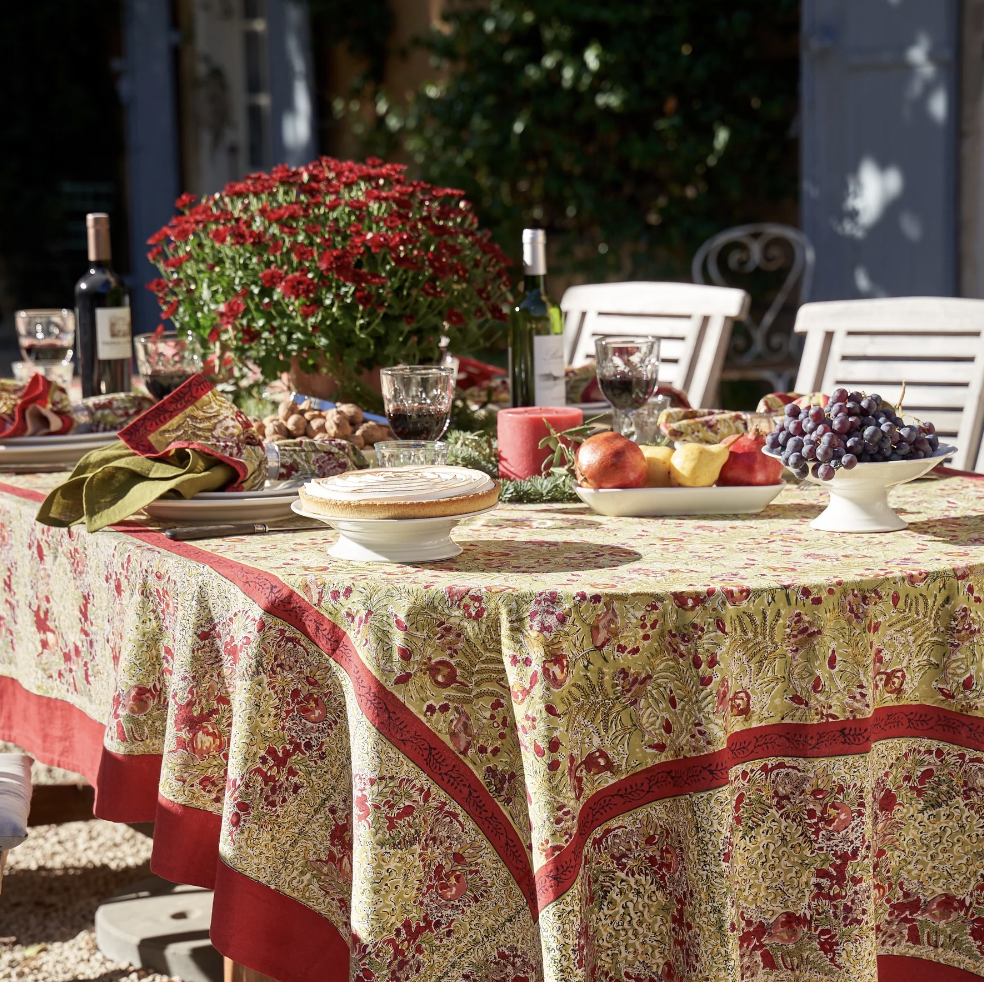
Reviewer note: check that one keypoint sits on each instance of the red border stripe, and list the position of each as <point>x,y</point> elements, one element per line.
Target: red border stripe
<point>899,968</point>
<point>256,926</point>
<point>708,771</point>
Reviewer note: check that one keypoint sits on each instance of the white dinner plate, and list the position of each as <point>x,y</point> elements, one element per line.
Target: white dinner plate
<point>68,439</point>
<point>224,506</point>
<point>393,540</point>
<point>248,495</point>
<point>654,502</point>
<point>21,452</point>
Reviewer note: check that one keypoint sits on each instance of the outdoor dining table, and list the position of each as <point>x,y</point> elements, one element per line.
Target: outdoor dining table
<point>711,748</point>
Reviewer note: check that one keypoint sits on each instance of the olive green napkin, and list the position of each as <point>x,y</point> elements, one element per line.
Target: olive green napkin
<point>111,483</point>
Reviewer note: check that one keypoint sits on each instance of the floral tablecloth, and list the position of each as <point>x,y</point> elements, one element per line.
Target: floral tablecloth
<point>587,748</point>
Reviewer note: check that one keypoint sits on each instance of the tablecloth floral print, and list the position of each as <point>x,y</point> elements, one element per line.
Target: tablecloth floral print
<point>606,749</point>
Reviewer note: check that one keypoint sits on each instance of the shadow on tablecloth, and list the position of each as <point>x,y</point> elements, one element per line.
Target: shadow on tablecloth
<point>534,557</point>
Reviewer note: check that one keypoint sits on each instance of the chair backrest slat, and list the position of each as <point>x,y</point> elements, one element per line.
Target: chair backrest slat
<point>693,322</point>
<point>935,345</point>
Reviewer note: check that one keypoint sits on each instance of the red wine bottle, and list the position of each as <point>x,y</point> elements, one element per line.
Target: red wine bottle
<point>102,317</point>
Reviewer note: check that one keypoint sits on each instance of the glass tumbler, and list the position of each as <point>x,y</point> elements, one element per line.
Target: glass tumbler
<point>407,453</point>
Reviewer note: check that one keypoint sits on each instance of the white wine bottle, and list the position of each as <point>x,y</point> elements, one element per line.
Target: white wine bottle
<point>536,333</point>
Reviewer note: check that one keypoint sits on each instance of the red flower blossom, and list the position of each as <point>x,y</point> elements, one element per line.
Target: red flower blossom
<point>185,199</point>
<point>272,277</point>
<point>453,316</point>
<point>175,262</point>
<point>298,285</point>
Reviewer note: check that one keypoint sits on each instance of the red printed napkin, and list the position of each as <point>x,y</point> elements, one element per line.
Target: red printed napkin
<point>197,417</point>
<point>39,407</point>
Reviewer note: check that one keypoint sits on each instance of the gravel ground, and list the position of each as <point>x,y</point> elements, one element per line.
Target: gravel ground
<point>51,888</point>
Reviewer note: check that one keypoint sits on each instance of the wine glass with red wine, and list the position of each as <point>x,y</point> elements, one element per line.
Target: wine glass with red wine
<point>628,372</point>
<point>167,359</point>
<point>417,400</point>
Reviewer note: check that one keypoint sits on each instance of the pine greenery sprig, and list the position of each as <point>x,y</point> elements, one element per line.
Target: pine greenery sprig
<point>555,487</point>
<point>473,449</point>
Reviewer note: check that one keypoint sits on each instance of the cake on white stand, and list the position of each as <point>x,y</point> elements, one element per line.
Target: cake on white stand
<point>398,514</point>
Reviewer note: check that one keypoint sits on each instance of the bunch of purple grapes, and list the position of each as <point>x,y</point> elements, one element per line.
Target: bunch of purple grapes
<point>854,428</point>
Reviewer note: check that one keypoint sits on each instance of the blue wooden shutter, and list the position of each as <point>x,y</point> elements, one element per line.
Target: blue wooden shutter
<point>879,146</point>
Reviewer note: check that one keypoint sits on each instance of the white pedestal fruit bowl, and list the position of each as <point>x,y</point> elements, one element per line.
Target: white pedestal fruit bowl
<point>859,497</point>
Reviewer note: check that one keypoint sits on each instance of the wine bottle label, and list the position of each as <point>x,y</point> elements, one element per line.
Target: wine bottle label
<point>548,370</point>
<point>113,333</point>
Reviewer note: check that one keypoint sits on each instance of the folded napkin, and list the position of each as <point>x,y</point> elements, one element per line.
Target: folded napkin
<point>701,425</point>
<point>775,402</point>
<point>294,461</point>
<point>38,407</point>
<point>192,440</point>
<point>109,413</point>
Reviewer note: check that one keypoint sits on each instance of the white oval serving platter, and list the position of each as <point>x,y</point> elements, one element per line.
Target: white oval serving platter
<point>666,502</point>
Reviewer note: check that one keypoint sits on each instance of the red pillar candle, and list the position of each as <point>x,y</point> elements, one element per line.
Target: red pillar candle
<point>520,433</point>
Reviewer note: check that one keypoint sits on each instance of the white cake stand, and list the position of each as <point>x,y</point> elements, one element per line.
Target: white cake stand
<point>393,540</point>
<point>859,497</point>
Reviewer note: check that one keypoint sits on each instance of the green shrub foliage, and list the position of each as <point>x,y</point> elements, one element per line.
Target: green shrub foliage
<point>632,129</point>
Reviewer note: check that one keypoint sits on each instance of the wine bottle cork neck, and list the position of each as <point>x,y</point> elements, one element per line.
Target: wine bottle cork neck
<point>97,237</point>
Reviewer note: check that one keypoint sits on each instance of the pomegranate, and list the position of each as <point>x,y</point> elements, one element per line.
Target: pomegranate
<point>746,464</point>
<point>610,460</point>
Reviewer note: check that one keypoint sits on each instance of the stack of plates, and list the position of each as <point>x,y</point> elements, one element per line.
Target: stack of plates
<point>49,453</point>
<point>264,505</point>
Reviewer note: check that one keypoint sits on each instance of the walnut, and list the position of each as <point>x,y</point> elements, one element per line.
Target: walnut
<point>357,441</point>
<point>287,409</point>
<point>296,425</point>
<point>273,418</point>
<point>337,425</point>
<point>276,429</point>
<point>313,414</point>
<point>259,426</point>
<point>352,412</point>
<point>315,426</point>
<point>373,432</point>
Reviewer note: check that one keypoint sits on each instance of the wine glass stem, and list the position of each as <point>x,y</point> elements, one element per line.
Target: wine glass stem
<point>622,421</point>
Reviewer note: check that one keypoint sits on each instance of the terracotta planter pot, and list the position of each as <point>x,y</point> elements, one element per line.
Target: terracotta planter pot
<point>322,385</point>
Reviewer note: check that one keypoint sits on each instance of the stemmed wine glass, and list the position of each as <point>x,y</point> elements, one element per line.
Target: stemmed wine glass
<point>167,359</point>
<point>628,372</point>
<point>417,400</point>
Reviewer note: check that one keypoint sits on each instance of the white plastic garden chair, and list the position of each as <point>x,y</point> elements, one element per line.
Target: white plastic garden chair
<point>933,344</point>
<point>15,802</point>
<point>693,323</point>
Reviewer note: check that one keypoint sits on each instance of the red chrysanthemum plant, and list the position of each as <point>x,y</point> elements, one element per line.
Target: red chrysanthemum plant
<point>343,266</point>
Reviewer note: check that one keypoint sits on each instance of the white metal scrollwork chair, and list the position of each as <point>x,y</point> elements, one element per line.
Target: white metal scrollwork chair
<point>778,258</point>
<point>933,344</point>
<point>693,323</point>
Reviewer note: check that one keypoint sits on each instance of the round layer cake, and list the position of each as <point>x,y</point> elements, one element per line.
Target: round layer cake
<point>401,492</point>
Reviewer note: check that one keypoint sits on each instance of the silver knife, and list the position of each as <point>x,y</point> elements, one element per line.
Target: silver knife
<point>186,532</point>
